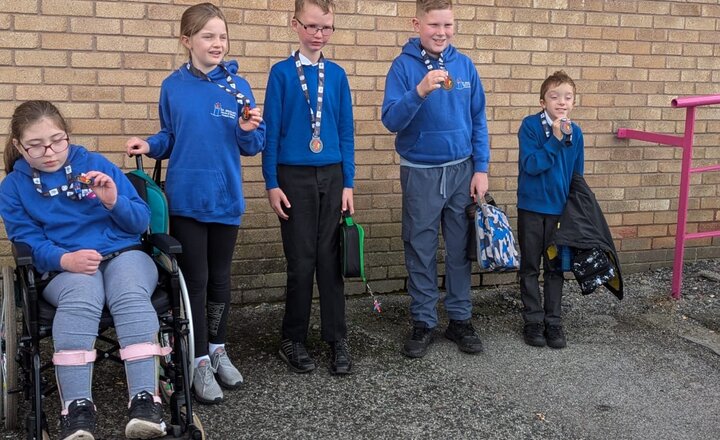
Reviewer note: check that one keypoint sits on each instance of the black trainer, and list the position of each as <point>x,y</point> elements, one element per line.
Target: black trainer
<point>146,417</point>
<point>416,345</point>
<point>340,358</point>
<point>555,336</point>
<point>464,335</point>
<point>296,356</point>
<point>533,334</point>
<point>79,422</point>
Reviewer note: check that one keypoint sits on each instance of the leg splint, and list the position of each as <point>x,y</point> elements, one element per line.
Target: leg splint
<point>74,357</point>
<point>143,351</point>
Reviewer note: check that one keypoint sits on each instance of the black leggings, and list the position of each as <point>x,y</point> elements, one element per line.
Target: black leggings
<point>207,250</point>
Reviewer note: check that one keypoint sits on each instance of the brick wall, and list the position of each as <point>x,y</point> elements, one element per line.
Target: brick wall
<point>103,62</point>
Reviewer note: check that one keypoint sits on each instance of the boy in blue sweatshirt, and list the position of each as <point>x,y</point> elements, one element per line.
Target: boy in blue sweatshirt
<point>309,167</point>
<point>551,151</point>
<point>435,103</point>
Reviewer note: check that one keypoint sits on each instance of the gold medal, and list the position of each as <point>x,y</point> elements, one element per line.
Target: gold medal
<point>316,145</point>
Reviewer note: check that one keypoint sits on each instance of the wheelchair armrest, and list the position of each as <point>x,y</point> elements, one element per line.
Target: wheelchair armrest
<point>22,252</point>
<point>165,243</point>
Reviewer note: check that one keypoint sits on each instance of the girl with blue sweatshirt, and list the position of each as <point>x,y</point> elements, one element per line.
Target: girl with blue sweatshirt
<point>435,103</point>
<point>83,220</point>
<point>208,120</point>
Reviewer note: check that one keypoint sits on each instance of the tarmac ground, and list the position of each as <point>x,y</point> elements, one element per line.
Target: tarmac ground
<point>646,367</point>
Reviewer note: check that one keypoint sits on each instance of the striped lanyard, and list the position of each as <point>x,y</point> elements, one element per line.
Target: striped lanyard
<point>315,118</point>
<point>76,188</point>
<point>448,84</point>
<point>239,97</point>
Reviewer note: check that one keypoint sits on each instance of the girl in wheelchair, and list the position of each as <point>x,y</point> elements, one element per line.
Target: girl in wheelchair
<point>83,220</point>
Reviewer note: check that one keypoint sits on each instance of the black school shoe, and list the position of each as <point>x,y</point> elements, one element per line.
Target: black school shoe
<point>79,422</point>
<point>555,336</point>
<point>296,356</point>
<point>533,334</point>
<point>464,335</point>
<point>146,417</point>
<point>416,345</point>
<point>340,358</point>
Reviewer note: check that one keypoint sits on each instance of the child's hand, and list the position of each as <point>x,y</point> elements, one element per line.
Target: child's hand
<point>478,186</point>
<point>104,188</point>
<point>136,146</point>
<point>252,123</point>
<point>557,132</point>
<point>347,201</point>
<point>432,81</point>
<point>84,261</point>
<point>278,199</point>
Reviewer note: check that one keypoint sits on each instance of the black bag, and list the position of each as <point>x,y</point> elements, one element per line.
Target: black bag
<point>592,269</point>
<point>352,248</point>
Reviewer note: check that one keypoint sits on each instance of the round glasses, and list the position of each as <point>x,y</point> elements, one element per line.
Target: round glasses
<point>38,151</point>
<point>313,29</point>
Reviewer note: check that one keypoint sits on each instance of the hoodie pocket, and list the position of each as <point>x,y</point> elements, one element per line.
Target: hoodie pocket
<point>444,145</point>
<point>202,191</point>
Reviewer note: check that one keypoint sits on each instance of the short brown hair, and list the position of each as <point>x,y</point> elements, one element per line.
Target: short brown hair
<point>554,80</point>
<point>425,6</point>
<point>25,115</point>
<point>327,6</point>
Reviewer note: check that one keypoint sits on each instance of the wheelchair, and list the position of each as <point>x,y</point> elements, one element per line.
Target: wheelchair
<point>25,313</point>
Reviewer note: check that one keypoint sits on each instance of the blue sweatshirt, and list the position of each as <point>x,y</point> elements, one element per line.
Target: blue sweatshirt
<point>201,136</point>
<point>546,167</point>
<point>54,226</point>
<point>444,126</point>
<point>289,126</point>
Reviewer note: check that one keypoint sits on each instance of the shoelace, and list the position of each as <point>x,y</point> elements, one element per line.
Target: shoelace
<point>341,350</point>
<point>419,332</point>
<point>221,359</point>
<point>208,373</point>
<point>82,413</point>
<point>465,330</point>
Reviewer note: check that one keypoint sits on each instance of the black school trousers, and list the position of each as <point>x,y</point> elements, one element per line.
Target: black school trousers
<point>311,241</point>
<point>534,233</point>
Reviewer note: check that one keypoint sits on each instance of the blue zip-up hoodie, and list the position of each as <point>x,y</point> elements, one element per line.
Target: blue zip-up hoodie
<point>446,125</point>
<point>54,226</point>
<point>201,137</point>
<point>546,166</point>
<point>289,126</point>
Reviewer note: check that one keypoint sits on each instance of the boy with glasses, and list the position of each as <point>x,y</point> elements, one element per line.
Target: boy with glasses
<point>309,167</point>
<point>435,103</point>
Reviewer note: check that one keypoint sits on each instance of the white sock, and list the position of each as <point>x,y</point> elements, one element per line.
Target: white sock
<point>201,358</point>
<point>212,347</point>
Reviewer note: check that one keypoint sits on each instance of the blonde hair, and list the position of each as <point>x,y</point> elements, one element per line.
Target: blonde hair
<point>327,6</point>
<point>196,17</point>
<point>25,115</point>
<point>425,6</point>
<point>557,78</point>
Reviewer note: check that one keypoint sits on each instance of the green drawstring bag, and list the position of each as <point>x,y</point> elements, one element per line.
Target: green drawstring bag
<point>352,248</point>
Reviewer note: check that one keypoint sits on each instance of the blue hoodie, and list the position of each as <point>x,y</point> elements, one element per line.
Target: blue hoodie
<point>446,125</point>
<point>54,226</point>
<point>201,137</point>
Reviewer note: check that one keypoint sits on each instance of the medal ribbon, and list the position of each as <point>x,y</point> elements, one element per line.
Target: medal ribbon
<point>74,189</point>
<point>426,60</point>
<point>241,99</point>
<point>315,118</point>
<point>546,128</point>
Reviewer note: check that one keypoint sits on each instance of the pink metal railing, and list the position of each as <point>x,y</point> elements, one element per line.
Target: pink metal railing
<point>686,143</point>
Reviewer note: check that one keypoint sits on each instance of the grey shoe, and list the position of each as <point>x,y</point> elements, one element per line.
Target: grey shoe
<point>206,388</point>
<point>225,372</point>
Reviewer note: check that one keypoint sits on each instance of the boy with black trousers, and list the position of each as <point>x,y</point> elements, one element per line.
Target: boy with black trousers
<point>435,103</point>
<point>309,168</point>
<point>551,151</point>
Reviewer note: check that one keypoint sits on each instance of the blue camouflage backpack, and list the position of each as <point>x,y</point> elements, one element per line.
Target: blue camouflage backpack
<point>496,248</point>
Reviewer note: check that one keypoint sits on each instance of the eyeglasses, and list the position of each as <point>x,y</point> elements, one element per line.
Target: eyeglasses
<point>312,29</point>
<point>38,151</point>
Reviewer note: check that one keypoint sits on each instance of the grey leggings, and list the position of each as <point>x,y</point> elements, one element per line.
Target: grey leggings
<point>124,284</point>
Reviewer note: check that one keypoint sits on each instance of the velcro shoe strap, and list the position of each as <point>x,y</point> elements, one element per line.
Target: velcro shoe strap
<point>143,351</point>
<point>74,357</point>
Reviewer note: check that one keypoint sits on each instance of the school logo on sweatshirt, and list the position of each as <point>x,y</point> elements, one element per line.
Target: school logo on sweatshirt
<point>220,112</point>
<point>460,84</point>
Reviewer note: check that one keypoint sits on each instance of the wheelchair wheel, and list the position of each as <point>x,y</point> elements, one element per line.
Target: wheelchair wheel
<point>186,311</point>
<point>8,349</point>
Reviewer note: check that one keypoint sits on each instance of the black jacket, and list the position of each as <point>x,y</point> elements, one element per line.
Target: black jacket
<point>583,226</point>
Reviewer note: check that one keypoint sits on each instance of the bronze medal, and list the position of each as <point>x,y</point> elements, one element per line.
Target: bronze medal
<point>448,84</point>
